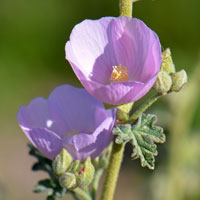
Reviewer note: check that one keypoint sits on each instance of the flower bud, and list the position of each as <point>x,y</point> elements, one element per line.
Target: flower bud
<point>75,166</point>
<point>179,79</point>
<point>85,173</point>
<point>68,180</point>
<point>62,162</point>
<point>167,63</point>
<point>95,162</point>
<point>163,83</point>
<point>123,111</point>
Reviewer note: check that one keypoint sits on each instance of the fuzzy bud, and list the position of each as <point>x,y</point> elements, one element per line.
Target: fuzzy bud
<point>123,111</point>
<point>167,63</point>
<point>179,79</point>
<point>62,162</point>
<point>95,162</point>
<point>68,180</point>
<point>85,173</point>
<point>163,83</point>
<point>75,166</point>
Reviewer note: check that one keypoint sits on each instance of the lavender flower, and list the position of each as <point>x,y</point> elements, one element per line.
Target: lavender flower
<point>70,118</point>
<point>116,59</point>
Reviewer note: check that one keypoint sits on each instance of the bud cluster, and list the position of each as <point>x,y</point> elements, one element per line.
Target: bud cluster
<point>168,79</point>
<point>72,174</point>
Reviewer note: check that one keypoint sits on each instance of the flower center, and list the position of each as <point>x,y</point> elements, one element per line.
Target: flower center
<point>119,74</point>
<point>71,133</point>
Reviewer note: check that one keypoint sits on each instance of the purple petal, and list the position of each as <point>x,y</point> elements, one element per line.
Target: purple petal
<point>83,145</point>
<point>137,47</point>
<point>46,141</point>
<point>36,115</point>
<point>60,112</point>
<point>90,42</point>
<point>75,109</point>
<point>128,42</point>
<point>116,93</point>
<point>48,123</point>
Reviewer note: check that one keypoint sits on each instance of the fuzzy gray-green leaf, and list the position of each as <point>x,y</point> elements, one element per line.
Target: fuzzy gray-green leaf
<point>143,136</point>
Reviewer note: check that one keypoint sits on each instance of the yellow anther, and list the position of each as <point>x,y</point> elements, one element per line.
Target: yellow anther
<point>70,133</point>
<point>119,74</point>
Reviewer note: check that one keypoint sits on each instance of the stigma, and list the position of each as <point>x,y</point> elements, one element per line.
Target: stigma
<point>119,74</point>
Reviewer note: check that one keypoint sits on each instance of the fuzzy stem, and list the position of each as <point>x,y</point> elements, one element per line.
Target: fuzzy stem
<point>126,7</point>
<point>113,171</point>
<point>81,193</point>
<point>143,108</point>
<point>96,180</point>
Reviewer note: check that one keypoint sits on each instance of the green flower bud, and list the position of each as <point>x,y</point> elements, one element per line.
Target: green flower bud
<point>62,162</point>
<point>75,166</point>
<point>163,83</point>
<point>167,63</point>
<point>123,111</point>
<point>179,79</point>
<point>68,180</point>
<point>95,162</point>
<point>85,173</point>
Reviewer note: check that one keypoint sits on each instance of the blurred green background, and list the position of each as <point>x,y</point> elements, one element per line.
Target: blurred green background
<point>33,34</point>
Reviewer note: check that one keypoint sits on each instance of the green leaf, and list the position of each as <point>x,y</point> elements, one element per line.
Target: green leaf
<point>51,186</point>
<point>45,185</point>
<point>143,136</point>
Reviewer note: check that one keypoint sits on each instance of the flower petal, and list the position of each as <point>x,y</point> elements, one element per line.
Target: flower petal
<point>90,42</point>
<point>76,109</point>
<point>83,145</point>
<point>115,93</point>
<point>60,112</point>
<point>129,42</point>
<point>46,141</point>
<point>137,47</point>
<point>36,115</point>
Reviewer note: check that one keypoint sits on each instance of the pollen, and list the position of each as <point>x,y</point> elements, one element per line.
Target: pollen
<point>119,74</point>
<point>71,133</point>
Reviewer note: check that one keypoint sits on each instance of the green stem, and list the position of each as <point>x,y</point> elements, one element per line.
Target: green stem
<point>81,193</point>
<point>112,171</point>
<point>143,108</point>
<point>125,7</point>
<point>74,195</point>
<point>96,180</point>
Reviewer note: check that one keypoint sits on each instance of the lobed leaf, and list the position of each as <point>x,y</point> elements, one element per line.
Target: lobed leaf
<point>143,136</point>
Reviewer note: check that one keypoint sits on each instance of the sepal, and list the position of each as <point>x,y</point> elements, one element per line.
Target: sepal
<point>62,162</point>
<point>168,79</point>
<point>163,83</point>
<point>123,111</point>
<point>85,173</point>
<point>167,62</point>
<point>179,79</point>
<point>68,180</point>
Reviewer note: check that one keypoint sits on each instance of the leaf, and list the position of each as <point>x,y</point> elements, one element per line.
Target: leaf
<point>51,186</point>
<point>44,186</point>
<point>143,136</point>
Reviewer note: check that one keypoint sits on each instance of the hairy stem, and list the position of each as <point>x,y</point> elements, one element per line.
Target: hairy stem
<point>143,108</point>
<point>113,171</point>
<point>125,7</point>
<point>96,180</point>
<point>81,193</point>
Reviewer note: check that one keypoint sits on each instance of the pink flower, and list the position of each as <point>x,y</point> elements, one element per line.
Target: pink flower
<point>70,118</point>
<point>116,59</point>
